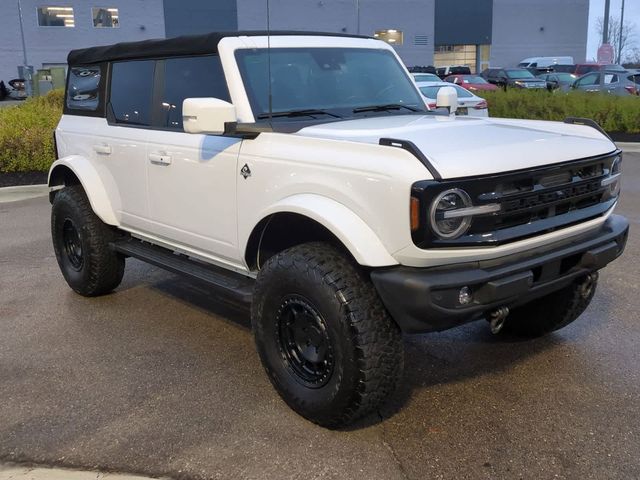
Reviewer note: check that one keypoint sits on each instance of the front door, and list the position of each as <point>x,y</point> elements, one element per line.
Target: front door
<point>192,178</point>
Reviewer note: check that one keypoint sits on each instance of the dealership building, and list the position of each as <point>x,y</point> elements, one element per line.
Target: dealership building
<point>477,33</point>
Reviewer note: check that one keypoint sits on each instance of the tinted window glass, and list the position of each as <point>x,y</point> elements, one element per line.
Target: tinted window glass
<point>131,91</point>
<point>83,92</point>
<point>610,78</point>
<point>590,79</point>
<point>519,74</point>
<point>191,77</point>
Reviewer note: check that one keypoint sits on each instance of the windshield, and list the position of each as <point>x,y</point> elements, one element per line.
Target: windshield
<point>329,81</point>
<point>473,79</point>
<point>426,77</point>
<point>519,74</point>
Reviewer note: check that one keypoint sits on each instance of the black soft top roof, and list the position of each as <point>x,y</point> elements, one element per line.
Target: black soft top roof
<point>178,46</point>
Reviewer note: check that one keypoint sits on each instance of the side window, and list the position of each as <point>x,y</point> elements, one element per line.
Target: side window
<point>83,88</point>
<point>131,92</point>
<point>610,78</point>
<point>590,79</point>
<point>189,77</point>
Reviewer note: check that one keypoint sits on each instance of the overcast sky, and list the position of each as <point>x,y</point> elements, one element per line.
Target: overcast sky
<point>596,10</point>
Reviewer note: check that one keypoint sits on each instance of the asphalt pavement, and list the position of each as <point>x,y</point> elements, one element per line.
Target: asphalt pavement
<point>161,378</point>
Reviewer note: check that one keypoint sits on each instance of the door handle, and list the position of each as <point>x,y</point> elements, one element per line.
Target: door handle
<point>160,159</point>
<point>103,149</point>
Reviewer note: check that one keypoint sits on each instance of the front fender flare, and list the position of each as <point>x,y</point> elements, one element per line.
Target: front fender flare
<point>361,241</point>
<point>91,183</point>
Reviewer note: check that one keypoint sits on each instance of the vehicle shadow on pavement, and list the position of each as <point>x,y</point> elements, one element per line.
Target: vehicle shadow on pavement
<point>207,300</point>
<point>430,359</point>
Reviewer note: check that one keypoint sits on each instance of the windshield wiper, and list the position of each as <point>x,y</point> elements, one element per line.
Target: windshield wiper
<point>298,113</point>
<point>384,108</point>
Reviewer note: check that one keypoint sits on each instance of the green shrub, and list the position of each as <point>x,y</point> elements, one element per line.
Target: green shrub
<point>613,113</point>
<point>26,133</point>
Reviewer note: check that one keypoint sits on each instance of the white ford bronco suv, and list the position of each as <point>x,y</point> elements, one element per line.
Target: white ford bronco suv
<point>303,173</point>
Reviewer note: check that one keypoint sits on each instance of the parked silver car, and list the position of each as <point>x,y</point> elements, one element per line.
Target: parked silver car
<point>615,82</point>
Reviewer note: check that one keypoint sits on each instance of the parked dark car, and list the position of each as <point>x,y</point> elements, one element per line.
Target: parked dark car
<point>422,69</point>
<point>444,72</point>
<point>564,68</point>
<point>558,81</point>
<point>513,78</point>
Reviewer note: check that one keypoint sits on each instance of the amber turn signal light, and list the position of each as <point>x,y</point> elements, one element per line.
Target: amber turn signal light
<point>415,214</point>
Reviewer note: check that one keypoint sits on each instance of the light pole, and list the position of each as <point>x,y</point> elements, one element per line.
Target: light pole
<point>358,17</point>
<point>605,27</point>
<point>26,70</point>
<point>621,30</point>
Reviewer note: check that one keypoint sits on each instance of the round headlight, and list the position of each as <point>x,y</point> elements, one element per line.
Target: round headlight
<point>616,165</point>
<point>449,227</point>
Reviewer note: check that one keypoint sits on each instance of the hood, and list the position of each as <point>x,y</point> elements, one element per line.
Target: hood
<point>467,146</point>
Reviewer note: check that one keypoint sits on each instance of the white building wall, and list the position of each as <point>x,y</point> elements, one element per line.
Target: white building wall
<point>139,20</point>
<point>538,28</point>
<point>413,17</point>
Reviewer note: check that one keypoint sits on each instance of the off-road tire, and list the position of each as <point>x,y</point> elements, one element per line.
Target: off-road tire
<point>365,343</point>
<point>99,269</point>
<point>552,312</point>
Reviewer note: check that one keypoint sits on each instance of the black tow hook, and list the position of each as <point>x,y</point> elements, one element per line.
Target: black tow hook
<point>497,318</point>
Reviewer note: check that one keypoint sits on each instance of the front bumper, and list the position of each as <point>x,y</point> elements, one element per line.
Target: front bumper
<point>426,299</point>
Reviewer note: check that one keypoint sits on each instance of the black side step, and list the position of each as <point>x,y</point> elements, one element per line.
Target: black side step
<point>232,283</point>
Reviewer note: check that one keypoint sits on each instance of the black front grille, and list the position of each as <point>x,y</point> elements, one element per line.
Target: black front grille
<point>532,202</point>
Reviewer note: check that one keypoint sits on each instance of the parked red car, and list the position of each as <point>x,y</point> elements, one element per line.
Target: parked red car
<point>473,83</point>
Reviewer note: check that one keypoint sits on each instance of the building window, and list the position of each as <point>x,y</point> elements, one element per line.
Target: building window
<point>106,17</point>
<point>458,55</point>
<point>394,37</point>
<point>56,17</point>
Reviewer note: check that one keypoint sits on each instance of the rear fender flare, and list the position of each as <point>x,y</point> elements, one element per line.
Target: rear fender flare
<point>91,182</point>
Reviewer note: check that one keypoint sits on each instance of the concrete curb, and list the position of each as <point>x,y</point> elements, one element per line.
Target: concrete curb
<point>23,192</point>
<point>24,473</point>
<point>629,147</point>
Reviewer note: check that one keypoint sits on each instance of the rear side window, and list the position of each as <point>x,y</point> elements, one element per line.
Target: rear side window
<point>189,77</point>
<point>83,88</point>
<point>131,92</point>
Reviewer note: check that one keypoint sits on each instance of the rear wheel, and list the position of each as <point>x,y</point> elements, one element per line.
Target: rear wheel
<point>330,348</point>
<point>81,244</point>
<point>554,311</point>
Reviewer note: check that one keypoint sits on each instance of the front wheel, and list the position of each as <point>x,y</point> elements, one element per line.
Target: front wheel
<point>554,311</point>
<point>326,341</point>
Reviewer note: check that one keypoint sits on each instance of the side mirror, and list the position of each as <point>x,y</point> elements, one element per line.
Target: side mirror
<point>447,98</point>
<point>207,115</point>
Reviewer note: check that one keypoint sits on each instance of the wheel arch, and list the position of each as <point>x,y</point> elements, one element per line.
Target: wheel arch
<point>77,170</point>
<point>308,217</point>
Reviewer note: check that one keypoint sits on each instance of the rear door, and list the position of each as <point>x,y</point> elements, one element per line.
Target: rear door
<point>122,145</point>
<point>192,177</point>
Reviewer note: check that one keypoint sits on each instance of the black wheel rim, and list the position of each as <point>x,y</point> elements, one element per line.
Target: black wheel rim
<point>72,244</point>
<point>304,342</point>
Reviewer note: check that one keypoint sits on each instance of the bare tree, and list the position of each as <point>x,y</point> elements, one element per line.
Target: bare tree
<point>629,36</point>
